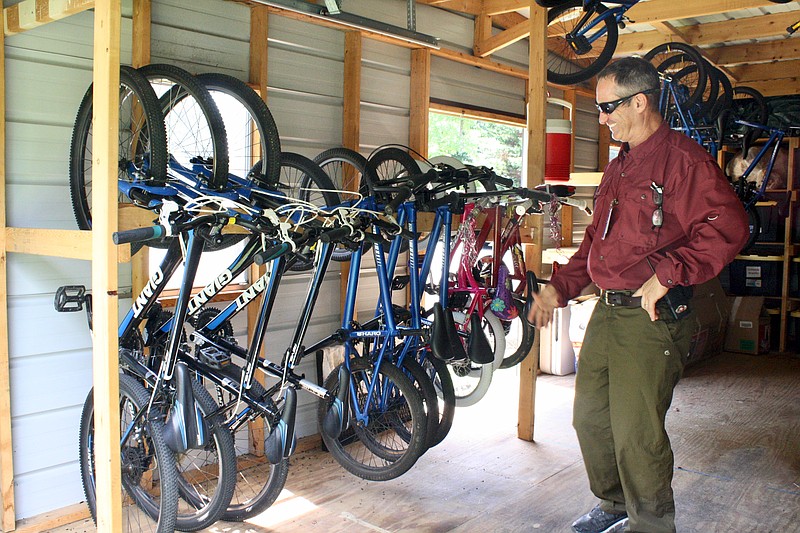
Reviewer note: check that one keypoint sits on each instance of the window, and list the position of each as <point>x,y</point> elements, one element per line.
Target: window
<point>478,142</point>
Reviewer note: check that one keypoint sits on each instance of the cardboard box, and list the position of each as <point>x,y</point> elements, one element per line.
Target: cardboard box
<point>711,314</point>
<point>555,350</point>
<point>748,328</point>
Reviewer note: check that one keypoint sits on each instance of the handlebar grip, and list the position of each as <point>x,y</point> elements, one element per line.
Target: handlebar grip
<point>401,195</point>
<point>138,234</point>
<point>336,234</point>
<point>271,253</point>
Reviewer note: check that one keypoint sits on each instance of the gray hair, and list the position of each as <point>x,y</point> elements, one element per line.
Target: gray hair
<point>634,75</point>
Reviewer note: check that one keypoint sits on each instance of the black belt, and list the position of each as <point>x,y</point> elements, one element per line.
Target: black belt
<point>620,299</point>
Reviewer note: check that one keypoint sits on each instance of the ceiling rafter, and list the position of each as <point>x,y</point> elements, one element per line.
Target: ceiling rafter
<point>781,50</point>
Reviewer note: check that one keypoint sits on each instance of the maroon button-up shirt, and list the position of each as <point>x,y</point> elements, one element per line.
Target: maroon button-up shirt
<point>704,223</point>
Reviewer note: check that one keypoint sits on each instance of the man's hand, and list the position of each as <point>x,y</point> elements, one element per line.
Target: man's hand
<point>544,302</point>
<point>651,292</point>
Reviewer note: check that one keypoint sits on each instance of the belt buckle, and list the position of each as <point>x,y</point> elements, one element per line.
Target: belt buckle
<point>613,298</point>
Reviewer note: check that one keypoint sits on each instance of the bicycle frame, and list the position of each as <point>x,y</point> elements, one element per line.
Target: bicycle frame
<point>774,142</point>
<point>583,29</point>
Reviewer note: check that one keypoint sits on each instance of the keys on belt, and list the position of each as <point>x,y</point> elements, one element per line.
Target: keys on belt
<point>620,299</point>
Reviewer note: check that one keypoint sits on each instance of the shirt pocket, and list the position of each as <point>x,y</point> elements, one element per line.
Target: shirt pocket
<point>635,221</point>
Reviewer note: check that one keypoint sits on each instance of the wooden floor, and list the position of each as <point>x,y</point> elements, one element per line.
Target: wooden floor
<point>735,429</point>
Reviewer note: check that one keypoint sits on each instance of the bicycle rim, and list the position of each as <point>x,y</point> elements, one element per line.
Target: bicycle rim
<point>195,130</point>
<point>142,143</point>
<point>564,65</point>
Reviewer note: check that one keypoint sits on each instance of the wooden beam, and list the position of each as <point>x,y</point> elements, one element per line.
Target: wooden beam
<point>661,10</point>
<point>483,28</point>
<point>534,175</point>
<point>710,33</point>
<point>142,30</point>
<point>471,7</point>
<point>259,33</point>
<point>745,54</point>
<point>30,14</point>
<point>105,356</point>
<point>502,39</point>
<point>766,71</point>
<point>782,87</point>
<point>459,111</point>
<point>496,7</point>
<point>420,100</point>
<point>7,521</point>
<point>480,62</point>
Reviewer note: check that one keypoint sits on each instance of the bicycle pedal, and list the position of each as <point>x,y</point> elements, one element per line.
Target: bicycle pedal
<point>70,298</point>
<point>213,357</point>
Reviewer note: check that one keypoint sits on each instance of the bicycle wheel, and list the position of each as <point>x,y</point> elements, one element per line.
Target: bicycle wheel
<point>395,404</point>
<point>470,380</point>
<point>346,169</point>
<point>258,482</point>
<point>149,475</point>
<point>578,50</point>
<point>688,69</point>
<point>724,94</point>
<point>443,383</point>
<point>195,129</point>
<point>302,179</point>
<point>749,105</point>
<point>388,164</point>
<point>207,475</point>
<point>683,72</point>
<point>251,131</point>
<point>142,143</point>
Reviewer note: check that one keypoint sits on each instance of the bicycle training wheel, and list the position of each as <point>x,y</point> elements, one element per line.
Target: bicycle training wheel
<point>196,137</point>
<point>394,405</point>
<point>207,476</point>
<point>142,143</point>
<point>258,482</point>
<point>577,49</point>
<point>251,131</point>
<point>149,476</point>
<point>346,169</point>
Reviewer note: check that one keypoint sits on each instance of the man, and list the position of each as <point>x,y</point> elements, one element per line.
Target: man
<point>665,219</point>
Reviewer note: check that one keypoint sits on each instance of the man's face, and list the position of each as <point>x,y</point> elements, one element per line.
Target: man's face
<point>620,120</point>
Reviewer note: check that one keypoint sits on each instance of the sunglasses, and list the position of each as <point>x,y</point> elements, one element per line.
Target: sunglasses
<point>610,107</point>
<point>658,199</point>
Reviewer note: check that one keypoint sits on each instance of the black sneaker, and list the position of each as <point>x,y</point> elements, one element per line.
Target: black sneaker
<point>599,521</point>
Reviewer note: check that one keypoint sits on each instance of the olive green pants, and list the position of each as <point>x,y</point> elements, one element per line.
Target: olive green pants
<point>627,370</point>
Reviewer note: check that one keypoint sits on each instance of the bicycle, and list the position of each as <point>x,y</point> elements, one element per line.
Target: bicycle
<point>582,36</point>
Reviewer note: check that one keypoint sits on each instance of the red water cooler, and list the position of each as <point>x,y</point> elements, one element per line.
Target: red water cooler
<point>558,149</point>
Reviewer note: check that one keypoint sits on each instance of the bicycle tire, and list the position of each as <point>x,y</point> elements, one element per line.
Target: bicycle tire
<point>258,482</point>
<point>207,476</point>
<point>443,383</point>
<point>430,401</point>
<point>143,452</point>
<point>346,169</point>
<point>564,65</point>
<point>471,381</point>
<point>259,131</point>
<point>694,81</point>
<point>195,129</point>
<point>301,178</point>
<point>388,164</point>
<point>142,142</point>
<point>528,336</point>
<point>754,223</point>
<point>750,105</point>
<point>683,71</point>
<point>348,449</point>
<point>724,94</point>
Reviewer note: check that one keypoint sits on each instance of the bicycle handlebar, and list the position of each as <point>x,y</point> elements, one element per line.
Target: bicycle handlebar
<point>139,234</point>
